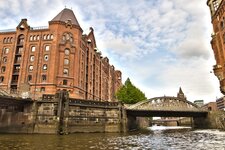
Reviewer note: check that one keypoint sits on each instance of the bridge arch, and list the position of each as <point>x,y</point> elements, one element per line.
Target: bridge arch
<point>165,103</point>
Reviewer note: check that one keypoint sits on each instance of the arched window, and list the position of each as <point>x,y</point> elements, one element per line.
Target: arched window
<point>4,40</point>
<point>34,38</point>
<point>38,37</point>
<point>48,37</point>
<point>33,48</point>
<point>3,69</point>
<point>21,39</point>
<point>42,89</point>
<point>6,50</point>
<point>66,61</point>
<point>32,58</point>
<point>47,48</point>
<point>67,51</point>
<point>43,78</point>
<point>4,59</point>
<point>29,78</point>
<point>1,79</point>
<point>64,82</point>
<point>31,68</point>
<point>45,67</point>
<point>51,37</point>
<point>66,71</point>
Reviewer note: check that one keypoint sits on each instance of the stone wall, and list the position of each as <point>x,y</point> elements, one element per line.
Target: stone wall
<point>16,119</point>
<point>216,120</point>
<point>63,115</point>
<point>58,114</point>
<point>92,119</point>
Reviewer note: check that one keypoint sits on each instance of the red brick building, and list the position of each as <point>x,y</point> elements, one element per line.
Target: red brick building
<point>211,106</point>
<point>217,9</point>
<point>43,60</point>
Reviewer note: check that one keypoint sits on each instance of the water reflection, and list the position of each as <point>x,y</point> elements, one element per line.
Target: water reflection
<point>155,139</point>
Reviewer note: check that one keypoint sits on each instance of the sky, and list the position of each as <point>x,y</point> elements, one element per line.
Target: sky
<point>160,45</point>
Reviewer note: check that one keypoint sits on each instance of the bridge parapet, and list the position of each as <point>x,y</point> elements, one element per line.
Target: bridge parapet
<point>166,104</point>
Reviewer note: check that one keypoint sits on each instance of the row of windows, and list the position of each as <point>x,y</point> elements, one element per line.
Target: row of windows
<point>32,58</point>
<point>7,40</point>
<point>45,37</point>
<point>33,48</point>
<point>46,57</point>
<point>31,67</point>
<point>67,37</point>
<point>43,78</point>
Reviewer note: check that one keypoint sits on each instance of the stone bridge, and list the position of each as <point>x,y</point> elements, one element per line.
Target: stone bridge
<point>165,106</point>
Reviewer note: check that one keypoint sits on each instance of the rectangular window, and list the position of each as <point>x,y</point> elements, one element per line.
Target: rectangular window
<point>42,89</point>
<point>64,82</point>
<point>29,78</point>
<point>44,78</point>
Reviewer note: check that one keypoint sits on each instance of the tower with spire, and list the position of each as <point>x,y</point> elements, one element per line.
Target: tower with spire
<point>180,94</point>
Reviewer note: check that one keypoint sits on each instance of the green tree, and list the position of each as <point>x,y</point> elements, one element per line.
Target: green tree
<point>129,94</point>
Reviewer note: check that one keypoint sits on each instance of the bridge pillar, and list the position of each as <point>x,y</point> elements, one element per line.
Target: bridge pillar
<point>200,123</point>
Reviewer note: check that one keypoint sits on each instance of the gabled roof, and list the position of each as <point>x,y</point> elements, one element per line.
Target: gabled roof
<point>65,15</point>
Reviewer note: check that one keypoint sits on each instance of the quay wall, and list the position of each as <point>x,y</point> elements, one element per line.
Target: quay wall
<point>58,114</point>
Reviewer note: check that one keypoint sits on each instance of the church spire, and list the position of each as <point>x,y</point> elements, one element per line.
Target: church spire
<point>180,94</point>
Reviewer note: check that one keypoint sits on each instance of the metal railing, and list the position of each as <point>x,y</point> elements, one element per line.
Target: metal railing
<point>39,28</point>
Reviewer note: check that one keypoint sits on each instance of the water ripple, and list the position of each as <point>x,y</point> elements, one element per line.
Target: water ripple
<point>162,140</point>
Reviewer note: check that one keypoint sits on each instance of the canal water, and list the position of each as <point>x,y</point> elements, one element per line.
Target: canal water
<point>156,138</point>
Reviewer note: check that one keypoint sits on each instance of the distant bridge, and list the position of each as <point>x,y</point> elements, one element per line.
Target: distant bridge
<point>165,106</point>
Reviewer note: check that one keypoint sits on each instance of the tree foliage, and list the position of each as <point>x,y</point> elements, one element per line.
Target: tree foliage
<point>130,94</point>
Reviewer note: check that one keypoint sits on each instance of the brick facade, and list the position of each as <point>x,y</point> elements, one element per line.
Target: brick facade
<point>43,60</point>
<point>217,8</point>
